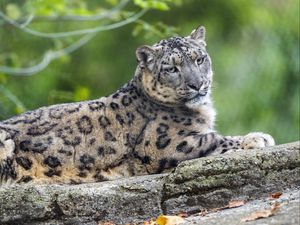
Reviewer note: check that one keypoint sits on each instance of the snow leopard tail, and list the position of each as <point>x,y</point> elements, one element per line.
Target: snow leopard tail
<point>7,146</point>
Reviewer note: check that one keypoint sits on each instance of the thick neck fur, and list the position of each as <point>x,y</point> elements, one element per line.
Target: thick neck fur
<point>204,108</point>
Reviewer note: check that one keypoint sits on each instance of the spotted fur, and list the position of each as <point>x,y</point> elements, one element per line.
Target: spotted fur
<point>163,116</point>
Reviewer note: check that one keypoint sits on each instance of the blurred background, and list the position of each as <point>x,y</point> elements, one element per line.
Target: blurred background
<point>54,51</point>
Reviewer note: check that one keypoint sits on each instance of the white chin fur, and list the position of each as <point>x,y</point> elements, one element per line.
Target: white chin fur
<point>194,103</point>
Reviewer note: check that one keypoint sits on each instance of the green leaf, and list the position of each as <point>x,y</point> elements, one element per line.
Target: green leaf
<point>19,109</point>
<point>137,30</point>
<point>152,31</point>
<point>3,78</point>
<point>112,2</point>
<point>81,93</point>
<point>152,4</point>
<point>13,11</point>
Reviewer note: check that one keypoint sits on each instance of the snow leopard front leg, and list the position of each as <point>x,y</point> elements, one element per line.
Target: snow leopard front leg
<point>249,141</point>
<point>192,144</point>
<point>196,145</point>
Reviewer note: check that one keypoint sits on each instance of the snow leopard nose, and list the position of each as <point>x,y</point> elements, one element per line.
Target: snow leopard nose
<point>195,86</point>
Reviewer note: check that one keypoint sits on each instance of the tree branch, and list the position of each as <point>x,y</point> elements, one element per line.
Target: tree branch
<point>71,18</point>
<point>47,58</point>
<point>75,32</point>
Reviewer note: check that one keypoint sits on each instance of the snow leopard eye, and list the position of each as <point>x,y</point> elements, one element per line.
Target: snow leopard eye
<point>200,60</point>
<point>172,69</point>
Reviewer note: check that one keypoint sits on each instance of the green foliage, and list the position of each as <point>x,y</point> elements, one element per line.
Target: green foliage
<point>156,4</point>
<point>154,30</point>
<point>13,11</point>
<point>57,7</point>
<point>254,46</point>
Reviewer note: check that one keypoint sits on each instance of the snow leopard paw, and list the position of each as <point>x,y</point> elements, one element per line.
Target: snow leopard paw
<point>7,145</point>
<point>257,140</point>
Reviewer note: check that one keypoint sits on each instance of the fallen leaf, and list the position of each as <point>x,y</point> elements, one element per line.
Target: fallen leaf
<point>275,207</point>
<point>264,213</point>
<point>183,214</point>
<point>236,203</point>
<point>231,204</point>
<point>258,215</point>
<point>275,195</point>
<point>169,220</point>
<point>216,209</point>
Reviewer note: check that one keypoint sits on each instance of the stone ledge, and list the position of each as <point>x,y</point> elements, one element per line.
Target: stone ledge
<point>196,184</point>
<point>213,181</point>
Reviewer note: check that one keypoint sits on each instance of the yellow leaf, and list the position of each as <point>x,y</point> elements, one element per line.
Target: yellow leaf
<point>169,220</point>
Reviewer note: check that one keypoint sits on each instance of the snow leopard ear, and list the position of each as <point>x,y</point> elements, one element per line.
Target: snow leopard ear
<point>145,55</point>
<point>198,34</point>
